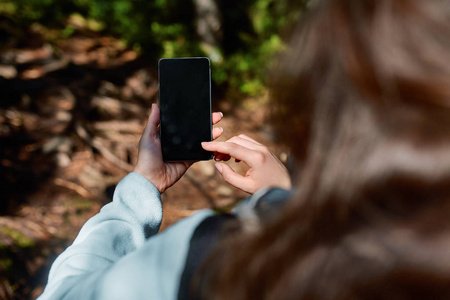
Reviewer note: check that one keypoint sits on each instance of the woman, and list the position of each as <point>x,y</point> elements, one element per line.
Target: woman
<point>369,82</point>
<point>365,87</point>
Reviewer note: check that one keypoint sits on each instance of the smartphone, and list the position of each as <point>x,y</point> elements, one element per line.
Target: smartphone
<point>185,105</point>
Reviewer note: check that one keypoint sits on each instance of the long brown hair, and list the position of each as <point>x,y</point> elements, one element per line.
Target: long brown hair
<point>363,99</point>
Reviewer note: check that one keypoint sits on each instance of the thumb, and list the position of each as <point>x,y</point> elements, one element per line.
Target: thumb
<point>151,129</point>
<point>233,178</point>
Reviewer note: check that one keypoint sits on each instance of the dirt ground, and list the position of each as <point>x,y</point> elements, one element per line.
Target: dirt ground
<point>71,115</point>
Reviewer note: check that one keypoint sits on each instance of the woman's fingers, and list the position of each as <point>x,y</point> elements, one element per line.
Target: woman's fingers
<point>265,169</point>
<point>216,117</point>
<point>241,140</point>
<point>217,132</point>
<point>221,157</point>
<point>232,177</point>
<point>243,136</point>
<point>247,143</point>
<point>151,129</point>
<point>232,149</point>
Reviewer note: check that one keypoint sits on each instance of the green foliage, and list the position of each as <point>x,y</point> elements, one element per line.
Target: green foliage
<point>248,70</point>
<point>167,28</point>
<point>47,12</point>
<point>160,28</point>
<point>18,237</point>
<point>6,263</point>
<point>248,67</point>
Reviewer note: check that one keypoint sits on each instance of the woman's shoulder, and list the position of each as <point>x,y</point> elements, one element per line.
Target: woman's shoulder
<point>216,227</point>
<point>181,249</point>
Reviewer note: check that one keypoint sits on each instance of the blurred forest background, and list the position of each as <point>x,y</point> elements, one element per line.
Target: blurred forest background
<point>77,79</point>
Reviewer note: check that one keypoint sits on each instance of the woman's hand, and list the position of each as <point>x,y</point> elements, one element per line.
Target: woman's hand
<point>150,163</point>
<point>265,168</point>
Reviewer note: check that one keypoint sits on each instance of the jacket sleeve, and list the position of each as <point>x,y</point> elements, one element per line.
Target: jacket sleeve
<point>122,226</point>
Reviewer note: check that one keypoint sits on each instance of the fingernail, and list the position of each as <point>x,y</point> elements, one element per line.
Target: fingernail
<point>219,168</point>
<point>221,129</point>
<point>221,113</point>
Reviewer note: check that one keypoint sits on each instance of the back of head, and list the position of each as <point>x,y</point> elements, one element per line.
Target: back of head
<point>363,99</point>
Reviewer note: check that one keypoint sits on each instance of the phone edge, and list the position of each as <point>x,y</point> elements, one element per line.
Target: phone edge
<point>210,101</point>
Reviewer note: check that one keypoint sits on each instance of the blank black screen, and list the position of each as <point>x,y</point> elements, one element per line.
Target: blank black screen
<point>185,104</point>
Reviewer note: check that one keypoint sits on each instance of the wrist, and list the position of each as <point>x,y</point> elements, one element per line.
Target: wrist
<point>150,178</point>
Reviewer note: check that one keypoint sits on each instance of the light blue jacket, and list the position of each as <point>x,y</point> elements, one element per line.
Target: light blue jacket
<point>118,254</point>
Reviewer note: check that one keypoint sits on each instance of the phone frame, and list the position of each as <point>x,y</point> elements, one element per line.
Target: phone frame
<point>205,157</point>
